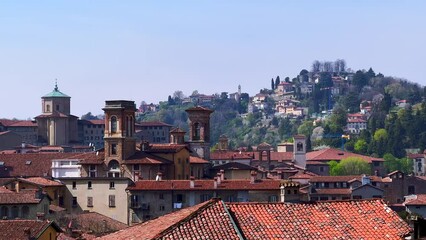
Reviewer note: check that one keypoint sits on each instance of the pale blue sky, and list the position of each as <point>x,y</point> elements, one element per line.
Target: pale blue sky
<point>145,50</point>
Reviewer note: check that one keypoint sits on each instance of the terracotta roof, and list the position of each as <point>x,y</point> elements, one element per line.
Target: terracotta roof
<point>16,229</point>
<point>177,130</point>
<point>93,222</point>
<point>165,148</point>
<point>342,178</point>
<point>3,189</point>
<point>23,197</point>
<point>146,158</point>
<point>356,219</point>
<point>36,164</point>
<point>367,219</point>
<point>197,160</point>
<point>332,191</point>
<point>190,223</point>
<point>54,208</point>
<point>328,154</point>
<point>303,176</point>
<point>230,155</point>
<point>419,200</point>
<point>53,114</point>
<point>41,181</point>
<point>356,120</point>
<point>206,185</point>
<point>415,155</point>
<point>24,124</point>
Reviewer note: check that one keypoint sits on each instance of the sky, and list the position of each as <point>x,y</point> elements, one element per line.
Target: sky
<point>146,50</point>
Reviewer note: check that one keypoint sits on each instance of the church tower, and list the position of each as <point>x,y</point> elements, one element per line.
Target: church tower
<point>199,131</point>
<point>120,142</point>
<point>56,126</point>
<point>299,150</point>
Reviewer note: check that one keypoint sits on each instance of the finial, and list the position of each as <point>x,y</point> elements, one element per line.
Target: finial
<point>56,84</point>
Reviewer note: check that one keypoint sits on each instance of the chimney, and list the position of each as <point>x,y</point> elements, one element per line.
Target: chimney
<point>282,193</point>
<point>192,182</point>
<point>253,177</point>
<point>159,176</point>
<point>215,183</point>
<point>222,175</point>
<point>365,179</point>
<point>219,178</point>
<point>136,178</point>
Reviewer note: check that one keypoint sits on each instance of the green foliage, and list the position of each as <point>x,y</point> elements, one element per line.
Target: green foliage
<point>402,164</point>
<point>380,135</point>
<point>350,166</point>
<point>361,146</point>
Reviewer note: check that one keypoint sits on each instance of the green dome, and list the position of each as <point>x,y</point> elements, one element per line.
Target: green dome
<point>56,93</point>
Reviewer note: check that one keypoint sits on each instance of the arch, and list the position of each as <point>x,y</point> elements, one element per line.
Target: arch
<point>113,169</point>
<point>113,122</point>
<point>47,108</point>
<point>25,211</point>
<point>4,212</point>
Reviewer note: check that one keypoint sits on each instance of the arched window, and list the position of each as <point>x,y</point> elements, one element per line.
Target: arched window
<point>14,212</point>
<point>113,124</point>
<point>4,212</point>
<point>47,108</point>
<point>113,169</point>
<point>196,135</point>
<point>25,211</point>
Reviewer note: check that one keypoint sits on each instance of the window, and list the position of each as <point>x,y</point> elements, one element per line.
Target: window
<point>321,169</point>
<point>57,107</point>
<point>74,185</point>
<point>15,212</point>
<point>196,135</point>
<point>295,191</point>
<point>48,108</point>
<point>136,167</point>
<point>357,197</point>
<point>326,185</point>
<point>74,202</point>
<point>134,201</point>
<point>323,198</point>
<point>92,171</point>
<point>113,149</point>
<point>90,201</point>
<point>162,208</point>
<point>299,147</point>
<point>89,184</point>
<point>288,191</point>
<point>161,196</point>
<point>180,198</point>
<point>111,185</point>
<point>25,211</point>
<point>113,124</point>
<point>111,200</point>
<point>272,198</point>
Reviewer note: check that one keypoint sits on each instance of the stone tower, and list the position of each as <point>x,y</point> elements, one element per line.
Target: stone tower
<point>199,131</point>
<point>56,126</point>
<point>223,142</point>
<point>177,136</point>
<point>299,150</point>
<point>120,141</point>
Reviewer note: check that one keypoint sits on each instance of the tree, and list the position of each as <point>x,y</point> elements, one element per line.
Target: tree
<point>361,146</point>
<point>287,79</point>
<point>272,84</point>
<point>402,164</point>
<point>277,81</point>
<point>360,80</point>
<point>88,116</point>
<point>350,166</point>
<point>370,73</point>
<point>328,66</point>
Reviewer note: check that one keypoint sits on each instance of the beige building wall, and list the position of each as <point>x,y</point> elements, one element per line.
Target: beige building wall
<point>100,193</point>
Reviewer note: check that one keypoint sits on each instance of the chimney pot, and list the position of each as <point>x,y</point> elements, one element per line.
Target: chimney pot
<point>219,178</point>
<point>192,182</point>
<point>215,183</point>
<point>159,176</point>
<point>222,175</point>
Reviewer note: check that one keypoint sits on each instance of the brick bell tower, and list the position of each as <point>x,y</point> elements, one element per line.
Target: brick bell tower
<point>120,142</point>
<point>199,131</point>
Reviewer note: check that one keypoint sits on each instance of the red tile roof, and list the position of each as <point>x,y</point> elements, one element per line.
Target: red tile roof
<point>41,181</point>
<point>197,160</point>
<point>37,164</point>
<point>415,155</point>
<point>367,219</point>
<point>356,120</point>
<point>165,148</point>
<point>24,124</point>
<point>328,154</point>
<point>146,158</point>
<point>198,108</point>
<point>16,229</point>
<point>419,200</point>
<point>93,222</point>
<point>23,197</point>
<point>190,223</point>
<point>361,219</point>
<point>206,185</point>
<point>3,189</point>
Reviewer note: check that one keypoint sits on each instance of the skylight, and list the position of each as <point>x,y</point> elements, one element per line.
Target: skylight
<point>28,162</point>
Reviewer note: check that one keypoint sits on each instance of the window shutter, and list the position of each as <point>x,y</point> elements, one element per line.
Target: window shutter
<point>112,200</point>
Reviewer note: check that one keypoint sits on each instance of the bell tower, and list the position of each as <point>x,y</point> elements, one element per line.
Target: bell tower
<point>299,150</point>
<point>120,142</point>
<point>199,131</point>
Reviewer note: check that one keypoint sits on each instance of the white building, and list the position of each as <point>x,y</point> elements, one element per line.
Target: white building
<point>65,168</point>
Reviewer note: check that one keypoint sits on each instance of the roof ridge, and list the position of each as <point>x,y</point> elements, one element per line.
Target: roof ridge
<point>234,224</point>
<point>186,219</point>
